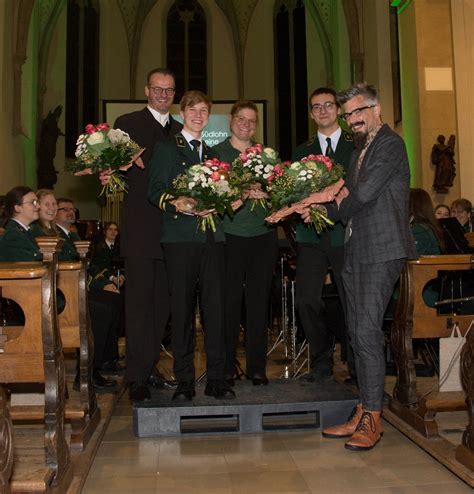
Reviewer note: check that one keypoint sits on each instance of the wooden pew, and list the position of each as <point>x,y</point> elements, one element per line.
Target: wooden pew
<point>33,354</point>
<point>470,239</point>
<point>6,443</point>
<point>414,319</point>
<point>75,329</point>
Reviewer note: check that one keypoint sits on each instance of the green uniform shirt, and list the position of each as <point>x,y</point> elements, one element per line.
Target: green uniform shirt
<point>170,159</point>
<point>245,222</point>
<point>345,146</point>
<point>17,244</point>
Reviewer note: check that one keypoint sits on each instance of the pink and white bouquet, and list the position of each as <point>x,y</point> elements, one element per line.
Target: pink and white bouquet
<point>253,169</point>
<point>105,151</point>
<point>314,178</point>
<point>209,186</point>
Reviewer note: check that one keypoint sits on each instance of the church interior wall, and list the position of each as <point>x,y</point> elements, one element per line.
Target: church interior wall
<point>426,41</point>
<point>12,166</point>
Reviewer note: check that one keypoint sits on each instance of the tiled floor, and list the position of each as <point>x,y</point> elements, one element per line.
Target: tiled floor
<point>284,462</point>
<point>296,462</point>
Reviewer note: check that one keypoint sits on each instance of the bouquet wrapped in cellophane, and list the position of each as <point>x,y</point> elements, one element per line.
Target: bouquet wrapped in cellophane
<point>209,186</point>
<point>105,151</point>
<point>314,176</point>
<point>253,168</point>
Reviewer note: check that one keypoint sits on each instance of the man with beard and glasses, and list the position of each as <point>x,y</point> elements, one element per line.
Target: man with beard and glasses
<point>378,241</point>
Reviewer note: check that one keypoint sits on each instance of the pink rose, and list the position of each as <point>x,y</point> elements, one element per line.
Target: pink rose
<point>90,129</point>
<point>102,126</point>
<point>215,176</point>
<point>225,166</point>
<point>243,156</point>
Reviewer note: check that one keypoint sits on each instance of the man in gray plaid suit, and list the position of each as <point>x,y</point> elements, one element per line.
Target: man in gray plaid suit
<point>374,207</point>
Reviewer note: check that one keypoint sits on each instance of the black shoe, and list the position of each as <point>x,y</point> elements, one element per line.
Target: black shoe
<point>139,391</point>
<point>112,368</point>
<point>259,379</point>
<point>219,390</point>
<point>315,377</point>
<point>158,381</point>
<point>102,384</point>
<point>185,391</point>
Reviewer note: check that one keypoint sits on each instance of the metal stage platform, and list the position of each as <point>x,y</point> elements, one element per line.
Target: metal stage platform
<point>282,405</point>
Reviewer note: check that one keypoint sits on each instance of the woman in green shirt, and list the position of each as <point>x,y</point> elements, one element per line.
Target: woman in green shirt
<point>251,252</point>
<point>21,209</point>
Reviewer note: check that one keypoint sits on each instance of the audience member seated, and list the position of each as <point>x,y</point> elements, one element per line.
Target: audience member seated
<point>106,256</point>
<point>101,291</point>
<point>17,243</point>
<point>442,211</point>
<point>461,209</point>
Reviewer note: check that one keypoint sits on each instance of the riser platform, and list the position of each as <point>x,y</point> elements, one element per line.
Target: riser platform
<point>282,405</point>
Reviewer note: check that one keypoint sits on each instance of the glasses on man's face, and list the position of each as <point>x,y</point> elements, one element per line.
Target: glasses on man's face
<point>34,203</point>
<point>356,112</point>
<point>244,120</point>
<point>68,210</point>
<point>318,108</point>
<point>158,91</point>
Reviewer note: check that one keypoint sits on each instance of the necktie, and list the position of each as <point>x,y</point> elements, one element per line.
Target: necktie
<point>196,146</point>
<point>329,150</point>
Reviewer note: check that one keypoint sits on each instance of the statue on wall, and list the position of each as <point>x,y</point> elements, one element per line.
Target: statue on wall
<point>46,149</point>
<point>442,157</point>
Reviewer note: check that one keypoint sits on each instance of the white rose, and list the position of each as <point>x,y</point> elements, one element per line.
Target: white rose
<point>295,166</point>
<point>191,185</point>
<point>116,136</point>
<point>303,173</point>
<point>302,179</point>
<point>268,168</point>
<point>271,153</point>
<point>96,138</point>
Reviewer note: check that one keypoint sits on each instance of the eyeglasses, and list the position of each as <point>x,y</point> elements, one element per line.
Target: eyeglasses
<point>34,202</point>
<point>356,112</point>
<point>158,91</point>
<point>74,210</point>
<point>328,105</point>
<point>244,120</point>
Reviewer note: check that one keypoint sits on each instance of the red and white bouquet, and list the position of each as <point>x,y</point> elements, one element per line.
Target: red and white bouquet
<point>208,185</point>
<point>313,179</point>
<point>105,151</point>
<point>253,169</point>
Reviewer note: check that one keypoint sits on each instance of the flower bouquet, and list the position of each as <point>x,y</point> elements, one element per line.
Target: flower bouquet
<point>252,170</point>
<point>208,185</point>
<point>105,151</point>
<point>313,179</point>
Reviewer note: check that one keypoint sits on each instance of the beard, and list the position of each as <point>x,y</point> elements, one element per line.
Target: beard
<point>360,139</point>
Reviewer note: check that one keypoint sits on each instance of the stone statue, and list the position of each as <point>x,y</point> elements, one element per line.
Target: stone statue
<point>46,149</point>
<point>442,157</point>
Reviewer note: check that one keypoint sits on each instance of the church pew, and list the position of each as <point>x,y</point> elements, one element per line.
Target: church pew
<point>470,239</point>
<point>6,442</point>
<point>75,329</point>
<point>414,319</point>
<point>34,354</point>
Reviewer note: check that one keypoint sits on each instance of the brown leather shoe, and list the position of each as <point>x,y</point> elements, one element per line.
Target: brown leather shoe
<point>368,432</point>
<point>347,428</point>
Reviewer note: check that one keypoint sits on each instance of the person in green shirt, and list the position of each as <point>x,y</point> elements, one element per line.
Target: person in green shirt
<point>250,255</point>
<point>17,243</point>
<point>316,253</point>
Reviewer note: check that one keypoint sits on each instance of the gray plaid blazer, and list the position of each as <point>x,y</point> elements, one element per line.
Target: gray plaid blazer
<point>378,201</point>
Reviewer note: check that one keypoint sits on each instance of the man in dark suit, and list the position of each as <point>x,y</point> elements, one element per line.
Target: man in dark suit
<point>193,258</point>
<point>316,253</point>
<point>374,207</point>
<point>146,290</point>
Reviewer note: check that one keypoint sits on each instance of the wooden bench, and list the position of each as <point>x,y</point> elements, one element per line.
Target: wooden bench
<point>34,354</point>
<point>6,443</point>
<point>75,329</point>
<point>414,319</point>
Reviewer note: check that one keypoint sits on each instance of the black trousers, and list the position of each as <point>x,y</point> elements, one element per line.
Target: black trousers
<point>102,320</point>
<point>250,263</point>
<point>146,314</point>
<point>192,266</point>
<point>313,261</point>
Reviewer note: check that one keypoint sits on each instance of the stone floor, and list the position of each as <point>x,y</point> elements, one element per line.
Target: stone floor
<point>283,462</point>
